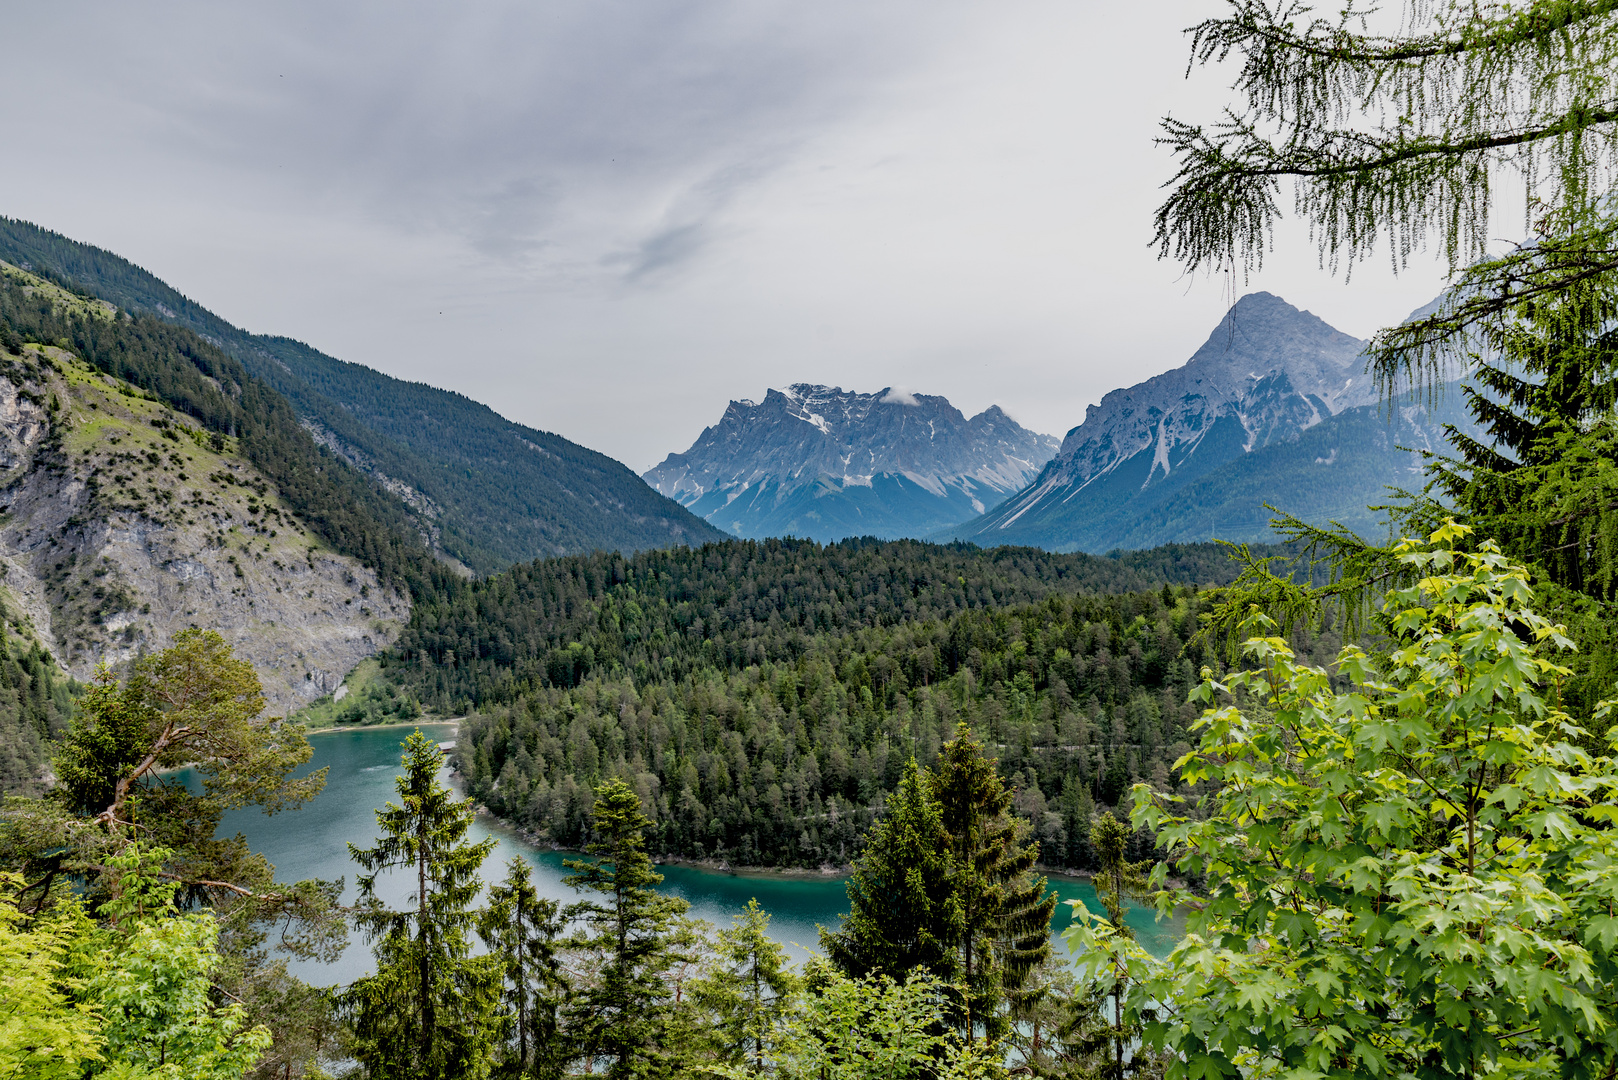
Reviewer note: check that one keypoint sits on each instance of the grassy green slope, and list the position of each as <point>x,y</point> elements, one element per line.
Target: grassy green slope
<point>504,493</point>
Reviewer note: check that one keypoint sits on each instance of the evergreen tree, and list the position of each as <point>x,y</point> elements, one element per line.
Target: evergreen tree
<point>750,989</point>
<point>1003,909</point>
<point>902,914</point>
<point>1544,485</point>
<point>520,927</point>
<point>1097,1029</point>
<point>622,1015</point>
<point>431,1010</point>
<point>1465,93</point>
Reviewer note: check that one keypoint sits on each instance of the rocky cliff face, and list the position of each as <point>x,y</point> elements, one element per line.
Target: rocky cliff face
<point>825,463</point>
<point>122,526</point>
<point>1233,419</point>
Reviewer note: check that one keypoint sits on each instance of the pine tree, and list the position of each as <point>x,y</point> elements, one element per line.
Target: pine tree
<point>432,1010</point>
<point>1545,487</point>
<point>901,911</point>
<point>1097,1029</point>
<point>623,1014</point>
<point>521,928</point>
<point>1003,909</point>
<point>750,990</point>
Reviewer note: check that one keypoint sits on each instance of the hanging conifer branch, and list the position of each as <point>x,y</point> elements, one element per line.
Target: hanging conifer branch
<point>1392,138</point>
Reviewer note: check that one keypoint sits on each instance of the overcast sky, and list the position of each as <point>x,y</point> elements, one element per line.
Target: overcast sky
<point>606,219</point>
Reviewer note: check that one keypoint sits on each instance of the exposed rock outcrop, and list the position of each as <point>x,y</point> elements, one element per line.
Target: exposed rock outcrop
<point>825,463</point>
<point>122,525</point>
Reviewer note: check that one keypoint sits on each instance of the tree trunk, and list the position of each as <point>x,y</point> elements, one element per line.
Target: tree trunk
<point>428,1020</point>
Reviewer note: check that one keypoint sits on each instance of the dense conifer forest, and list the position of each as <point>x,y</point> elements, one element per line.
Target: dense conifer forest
<point>764,697</point>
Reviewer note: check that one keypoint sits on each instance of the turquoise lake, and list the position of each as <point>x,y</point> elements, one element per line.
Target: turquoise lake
<point>312,842</point>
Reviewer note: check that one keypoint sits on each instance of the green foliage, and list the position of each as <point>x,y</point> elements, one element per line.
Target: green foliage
<point>1412,876</point>
<point>778,727</point>
<point>669,614</point>
<point>1546,486</point>
<point>902,913</point>
<point>521,929</point>
<point>47,1029</point>
<point>36,701</point>
<point>370,699</point>
<point>1100,1038</point>
<point>150,979</point>
<point>1385,135</point>
<point>432,1010</point>
<point>878,1028</point>
<point>1003,911</point>
<point>1382,134</point>
<point>621,1013</point>
<point>749,990</point>
<point>191,703</point>
<point>130,999</point>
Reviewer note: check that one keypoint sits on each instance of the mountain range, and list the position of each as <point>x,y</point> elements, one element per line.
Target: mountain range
<point>822,463</point>
<point>1275,407</point>
<point>485,492</point>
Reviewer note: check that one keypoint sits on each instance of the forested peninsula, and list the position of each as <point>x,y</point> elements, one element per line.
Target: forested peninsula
<point>763,697</point>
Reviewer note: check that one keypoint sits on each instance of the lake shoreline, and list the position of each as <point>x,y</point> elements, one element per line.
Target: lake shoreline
<point>720,866</point>
<point>338,729</point>
<point>824,872</point>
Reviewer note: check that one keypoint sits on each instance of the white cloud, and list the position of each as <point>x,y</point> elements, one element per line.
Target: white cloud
<point>896,396</point>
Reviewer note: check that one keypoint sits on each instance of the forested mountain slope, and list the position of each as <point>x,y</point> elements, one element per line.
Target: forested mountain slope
<point>148,484</point>
<point>1274,408</point>
<point>762,696</point>
<point>488,492</point>
<point>824,463</point>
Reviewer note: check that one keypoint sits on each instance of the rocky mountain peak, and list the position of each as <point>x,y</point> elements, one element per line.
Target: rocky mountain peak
<point>897,448</point>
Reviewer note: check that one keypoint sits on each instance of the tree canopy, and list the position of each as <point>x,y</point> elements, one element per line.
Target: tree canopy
<point>1412,875</point>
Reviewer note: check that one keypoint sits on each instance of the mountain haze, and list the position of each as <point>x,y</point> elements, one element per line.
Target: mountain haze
<point>485,492</point>
<point>1275,407</point>
<point>823,463</point>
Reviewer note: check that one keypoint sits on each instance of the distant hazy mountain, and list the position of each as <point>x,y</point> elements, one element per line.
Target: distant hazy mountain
<point>484,491</point>
<point>1274,408</point>
<point>824,463</point>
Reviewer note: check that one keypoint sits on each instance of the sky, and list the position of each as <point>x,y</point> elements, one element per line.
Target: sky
<point>608,219</point>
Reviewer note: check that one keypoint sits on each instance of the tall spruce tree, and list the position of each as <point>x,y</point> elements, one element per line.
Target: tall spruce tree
<point>622,1015</point>
<point>1004,910</point>
<point>749,990</point>
<point>902,912</point>
<point>1098,1029</point>
<point>432,1010</point>
<point>521,929</point>
<point>1544,485</point>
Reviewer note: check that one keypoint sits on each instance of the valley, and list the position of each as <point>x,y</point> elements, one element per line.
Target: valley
<point>1259,727</point>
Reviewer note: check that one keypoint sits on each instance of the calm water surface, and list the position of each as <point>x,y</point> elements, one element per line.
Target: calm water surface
<point>312,842</point>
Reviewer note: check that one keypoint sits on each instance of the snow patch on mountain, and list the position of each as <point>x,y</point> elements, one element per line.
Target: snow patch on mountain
<point>824,462</point>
